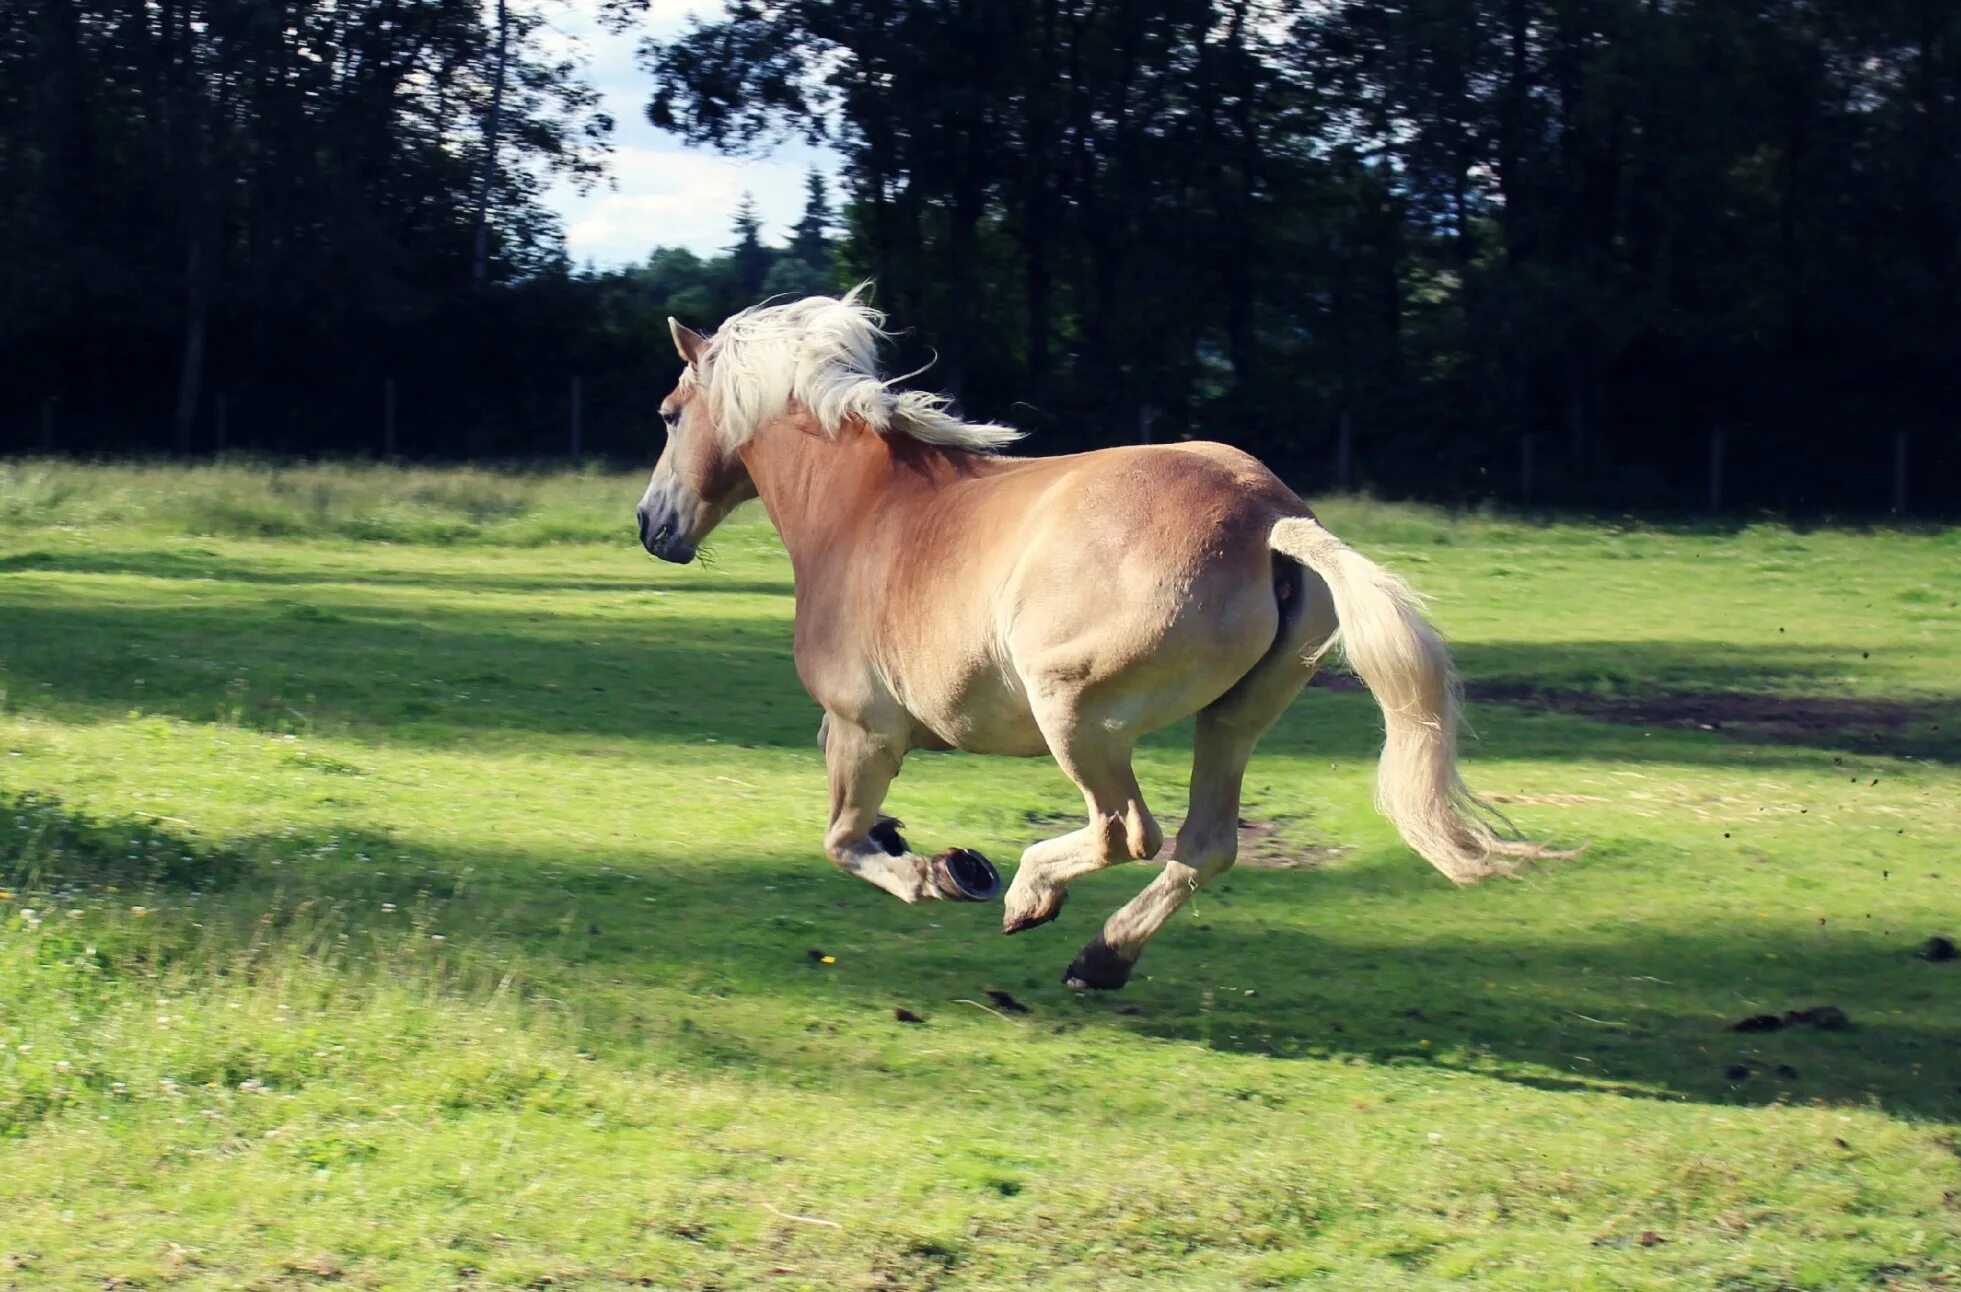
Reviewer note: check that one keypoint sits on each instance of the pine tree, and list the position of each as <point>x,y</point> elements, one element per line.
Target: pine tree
<point>749,257</point>
<point>812,241</point>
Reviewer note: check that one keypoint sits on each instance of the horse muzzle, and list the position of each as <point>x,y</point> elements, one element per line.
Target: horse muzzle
<point>660,536</point>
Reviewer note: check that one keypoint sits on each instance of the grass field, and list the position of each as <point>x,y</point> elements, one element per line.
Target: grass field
<point>410,884</point>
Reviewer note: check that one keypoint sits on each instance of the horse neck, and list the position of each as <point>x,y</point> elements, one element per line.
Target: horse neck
<point>815,486</point>
<point>819,488</point>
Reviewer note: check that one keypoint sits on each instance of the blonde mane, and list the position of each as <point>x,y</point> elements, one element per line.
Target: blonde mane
<point>822,353</point>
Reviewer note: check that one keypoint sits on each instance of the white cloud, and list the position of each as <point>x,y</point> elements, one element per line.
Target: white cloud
<point>662,192</point>
<point>674,196</point>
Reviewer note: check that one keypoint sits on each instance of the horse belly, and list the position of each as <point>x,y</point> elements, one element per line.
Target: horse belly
<point>981,711</point>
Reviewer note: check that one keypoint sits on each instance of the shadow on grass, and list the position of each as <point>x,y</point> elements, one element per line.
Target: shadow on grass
<point>1644,1012</point>
<point>445,676</point>
<point>1640,1011</point>
<point>1287,966</point>
<point>46,845</point>
<point>439,678</point>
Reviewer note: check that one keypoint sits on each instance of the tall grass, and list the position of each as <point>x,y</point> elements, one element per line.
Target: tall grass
<point>265,992</point>
<point>250,498</point>
<point>532,505</point>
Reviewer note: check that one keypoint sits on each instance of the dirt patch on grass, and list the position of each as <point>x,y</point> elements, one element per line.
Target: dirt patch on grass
<point>1799,719</point>
<point>1924,728</point>
<point>1545,800</point>
<point>1263,844</point>
<point>1837,722</point>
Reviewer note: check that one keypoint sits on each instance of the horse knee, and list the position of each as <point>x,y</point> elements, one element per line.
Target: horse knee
<point>1207,853</point>
<point>1128,836</point>
<point>1186,878</point>
<point>843,843</point>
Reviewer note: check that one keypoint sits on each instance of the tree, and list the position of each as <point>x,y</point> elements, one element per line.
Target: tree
<point>748,258</point>
<point>212,190</point>
<point>1614,225</point>
<point>811,242</point>
<point>480,264</point>
<point>1045,163</point>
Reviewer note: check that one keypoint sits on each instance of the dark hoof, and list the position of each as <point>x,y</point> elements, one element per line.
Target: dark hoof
<point>1098,968</point>
<point>886,838</point>
<point>966,876</point>
<point>1021,924</point>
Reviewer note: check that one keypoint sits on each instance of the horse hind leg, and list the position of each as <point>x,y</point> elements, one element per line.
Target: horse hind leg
<point>1207,844</point>
<point>1208,841</point>
<point>1096,756</point>
<point>862,842</point>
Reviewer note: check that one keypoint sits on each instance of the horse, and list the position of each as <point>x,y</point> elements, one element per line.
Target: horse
<point>949,596</point>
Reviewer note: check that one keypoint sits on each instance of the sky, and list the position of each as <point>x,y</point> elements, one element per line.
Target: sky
<point>659,191</point>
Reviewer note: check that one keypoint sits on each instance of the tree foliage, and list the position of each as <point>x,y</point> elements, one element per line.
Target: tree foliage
<point>1605,229</point>
<point>1612,225</point>
<point>252,192</point>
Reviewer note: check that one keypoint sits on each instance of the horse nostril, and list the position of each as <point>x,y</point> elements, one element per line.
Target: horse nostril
<point>652,535</point>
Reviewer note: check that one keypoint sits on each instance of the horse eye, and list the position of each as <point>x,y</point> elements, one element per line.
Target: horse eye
<point>672,416</point>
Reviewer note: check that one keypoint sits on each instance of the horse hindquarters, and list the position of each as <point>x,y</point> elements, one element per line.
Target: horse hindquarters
<point>1227,732</point>
<point>1120,651</point>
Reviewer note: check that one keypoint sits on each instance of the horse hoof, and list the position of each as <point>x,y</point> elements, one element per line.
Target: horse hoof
<point>1098,967</point>
<point>965,876</point>
<point>1033,919</point>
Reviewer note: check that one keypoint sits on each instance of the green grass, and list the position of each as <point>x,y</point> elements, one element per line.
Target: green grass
<point>422,886</point>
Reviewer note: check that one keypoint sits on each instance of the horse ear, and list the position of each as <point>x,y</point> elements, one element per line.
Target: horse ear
<point>688,343</point>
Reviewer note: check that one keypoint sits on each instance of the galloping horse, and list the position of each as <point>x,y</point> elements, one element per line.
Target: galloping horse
<point>948,597</point>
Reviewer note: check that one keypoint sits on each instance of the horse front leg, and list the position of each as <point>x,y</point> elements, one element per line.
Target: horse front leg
<point>861,842</point>
<point>885,832</point>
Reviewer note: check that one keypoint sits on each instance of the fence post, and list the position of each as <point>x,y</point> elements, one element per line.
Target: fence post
<point>578,417</point>
<point>1344,450</point>
<point>1900,473</point>
<point>48,407</point>
<point>1525,470</point>
<point>1716,469</point>
<point>388,419</point>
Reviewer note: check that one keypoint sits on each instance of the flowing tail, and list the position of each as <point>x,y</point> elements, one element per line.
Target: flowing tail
<point>1407,668</point>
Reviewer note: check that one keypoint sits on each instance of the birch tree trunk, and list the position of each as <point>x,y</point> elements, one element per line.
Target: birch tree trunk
<point>480,260</point>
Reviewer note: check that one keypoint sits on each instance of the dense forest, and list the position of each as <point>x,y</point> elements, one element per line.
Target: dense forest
<point>1429,246</point>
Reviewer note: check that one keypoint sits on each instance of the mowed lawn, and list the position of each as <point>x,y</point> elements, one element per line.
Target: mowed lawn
<point>408,883</point>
